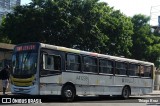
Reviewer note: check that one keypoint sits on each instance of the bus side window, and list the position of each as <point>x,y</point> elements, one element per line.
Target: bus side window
<point>57,63</point>
<point>142,71</point>
<point>147,71</point>
<point>133,69</point>
<point>90,64</point>
<point>51,62</point>
<point>121,68</point>
<point>106,66</point>
<point>73,62</point>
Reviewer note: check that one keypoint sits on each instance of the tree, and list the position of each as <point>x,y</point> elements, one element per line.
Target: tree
<point>82,24</point>
<point>23,25</point>
<point>141,36</point>
<point>145,43</point>
<point>119,31</point>
<point>3,38</point>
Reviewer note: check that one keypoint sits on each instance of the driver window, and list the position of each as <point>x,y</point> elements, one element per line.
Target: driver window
<point>51,62</point>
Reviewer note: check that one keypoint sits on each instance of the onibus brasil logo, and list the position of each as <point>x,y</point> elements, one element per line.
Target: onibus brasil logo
<point>20,101</point>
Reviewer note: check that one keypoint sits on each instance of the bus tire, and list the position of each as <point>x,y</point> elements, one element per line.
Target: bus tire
<point>125,92</point>
<point>68,93</point>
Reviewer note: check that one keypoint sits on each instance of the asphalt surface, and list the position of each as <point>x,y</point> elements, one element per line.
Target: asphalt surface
<point>18,99</point>
<point>152,99</point>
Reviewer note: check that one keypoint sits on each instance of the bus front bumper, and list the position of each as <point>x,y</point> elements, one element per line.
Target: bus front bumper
<point>31,90</point>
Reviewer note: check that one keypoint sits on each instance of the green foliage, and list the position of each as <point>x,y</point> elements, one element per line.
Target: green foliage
<point>146,45</point>
<point>5,39</point>
<point>120,34</point>
<point>141,36</point>
<point>82,24</point>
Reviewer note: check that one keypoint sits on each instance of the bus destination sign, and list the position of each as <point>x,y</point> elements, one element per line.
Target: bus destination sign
<point>25,47</point>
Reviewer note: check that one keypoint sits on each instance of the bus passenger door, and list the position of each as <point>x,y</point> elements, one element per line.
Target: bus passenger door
<point>50,74</point>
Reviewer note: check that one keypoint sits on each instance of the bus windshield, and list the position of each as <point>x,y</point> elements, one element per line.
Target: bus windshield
<point>24,63</point>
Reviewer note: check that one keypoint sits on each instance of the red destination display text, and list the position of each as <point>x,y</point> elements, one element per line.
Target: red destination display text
<point>25,48</point>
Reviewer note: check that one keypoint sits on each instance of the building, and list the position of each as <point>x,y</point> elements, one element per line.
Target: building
<point>6,6</point>
<point>5,54</point>
<point>5,57</point>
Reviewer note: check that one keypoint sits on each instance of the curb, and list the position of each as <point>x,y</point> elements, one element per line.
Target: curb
<point>8,93</point>
<point>154,93</point>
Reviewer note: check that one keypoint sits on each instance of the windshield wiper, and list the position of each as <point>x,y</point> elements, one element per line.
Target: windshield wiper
<point>27,56</point>
<point>24,59</point>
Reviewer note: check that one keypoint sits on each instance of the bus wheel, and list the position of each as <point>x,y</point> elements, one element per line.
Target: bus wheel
<point>68,93</point>
<point>125,92</point>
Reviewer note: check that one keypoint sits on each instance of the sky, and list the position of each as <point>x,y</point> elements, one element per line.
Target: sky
<point>131,7</point>
<point>25,2</point>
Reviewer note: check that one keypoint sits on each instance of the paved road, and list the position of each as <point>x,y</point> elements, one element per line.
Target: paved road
<point>87,101</point>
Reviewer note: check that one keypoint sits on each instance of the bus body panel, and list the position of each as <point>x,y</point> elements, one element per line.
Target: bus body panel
<point>32,90</point>
<point>85,83</point>
<point>50,85</point>
<point>94,84</point>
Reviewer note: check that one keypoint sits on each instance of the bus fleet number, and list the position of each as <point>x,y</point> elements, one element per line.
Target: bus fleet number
<point>82,78</point>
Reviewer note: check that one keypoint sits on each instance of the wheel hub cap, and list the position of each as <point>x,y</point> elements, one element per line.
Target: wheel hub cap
<point>68,93</point>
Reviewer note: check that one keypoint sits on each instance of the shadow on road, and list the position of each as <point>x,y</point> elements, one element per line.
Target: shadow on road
<point>106,99</point>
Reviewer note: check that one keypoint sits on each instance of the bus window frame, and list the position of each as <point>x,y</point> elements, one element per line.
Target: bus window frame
<point>116,68</point>
<point>151,71</point>
<point>99,59</point>
<point>49,54</point>
<point>80,64</point>
<point>138,70</point>
<point>97,65</point>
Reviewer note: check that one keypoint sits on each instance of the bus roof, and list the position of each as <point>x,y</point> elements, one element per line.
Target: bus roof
<point>60,48</point>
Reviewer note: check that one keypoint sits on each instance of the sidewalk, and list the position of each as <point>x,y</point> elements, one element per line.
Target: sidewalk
<point>155,92</point>
<point>8,93</point>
